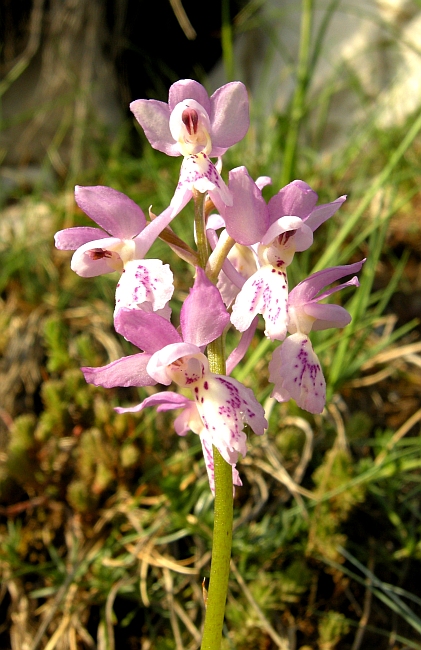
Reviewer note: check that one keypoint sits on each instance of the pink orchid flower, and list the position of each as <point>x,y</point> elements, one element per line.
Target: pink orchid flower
<point>294,368</point>
<point>120,244</point>
<point>189,419</point>
<point>197,127</point>
<point>224,405</point>
<point>275,232</point>
<point>192,122</point>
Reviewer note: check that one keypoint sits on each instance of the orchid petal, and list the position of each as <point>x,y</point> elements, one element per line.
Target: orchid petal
<point>188,89</point>
<point>144,281</point>
<point>266,293</point>
<point>296,198</point>
<point>229,116</point>
<point>238,353</point>
<point>247,219</point>
<point>214,222</point>
<point>201,325</point>
<point>147,331</point>
<point>327,316</point>
<point>225,406</point>
<point>127,371</point>
<point>306,290</point>
<point>295,371</point>
<point>322,213</point>
<point>236,269</point>
<point>353,282</point>
<point>188,420</point>
<point>112,210</point>
<point>151,232</point>
<point>70,239</point>
<point>154,118</point>
<point>164,401</point>
<point>263,181</point>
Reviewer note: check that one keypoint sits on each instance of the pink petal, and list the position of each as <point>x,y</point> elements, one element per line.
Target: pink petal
<point>263,181</point>
<point>237,268</point>
<point>188,89</point>
<point>70,239</point>
<point>323,212</point>
<point>154,118</point>
<point>296,198</point>
<point>327,316</point>
<point>266,293</point>
<point>308,289</point>
<point>203,316</point>
<point>147,331</point>
<point>112,210</point>
<point>164,401</point>
<point>127,371</point>
<point>188,420</point>
<point>150,234</point>
<point>247,219</point>
<point>238,353</point>
<point>229,116</point>
<point>295,370</point>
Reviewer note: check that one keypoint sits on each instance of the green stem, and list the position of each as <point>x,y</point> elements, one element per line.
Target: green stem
<point>223,507</point>
<point>221,554</point>
<point>298,101</point>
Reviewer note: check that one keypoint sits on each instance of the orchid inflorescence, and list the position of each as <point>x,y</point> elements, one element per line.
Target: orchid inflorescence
<point>252,242</point>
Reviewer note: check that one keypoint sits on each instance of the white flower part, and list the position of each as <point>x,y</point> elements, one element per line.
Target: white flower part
<point>210,467</point>
<point>198,172</point>
<point>283,238</point>
<point>224,406</point>
<point>279,253</point>
<point>266,293</point>
<point>295,372</point>
<point>243,260</point>
<point>111,252</point>
<point>127,250</point>
<point>188,370</point>
<point>144,281</point>
<point>190,127</point>
<point>299,321</point>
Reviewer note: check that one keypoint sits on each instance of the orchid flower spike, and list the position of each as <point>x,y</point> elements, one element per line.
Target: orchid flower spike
<point>120,244</point>
<point>294,368</point>
<point>224,405</point>
<point>277,230</point>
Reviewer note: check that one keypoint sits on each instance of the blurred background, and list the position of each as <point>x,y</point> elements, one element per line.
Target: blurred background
<point>106,519</point>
